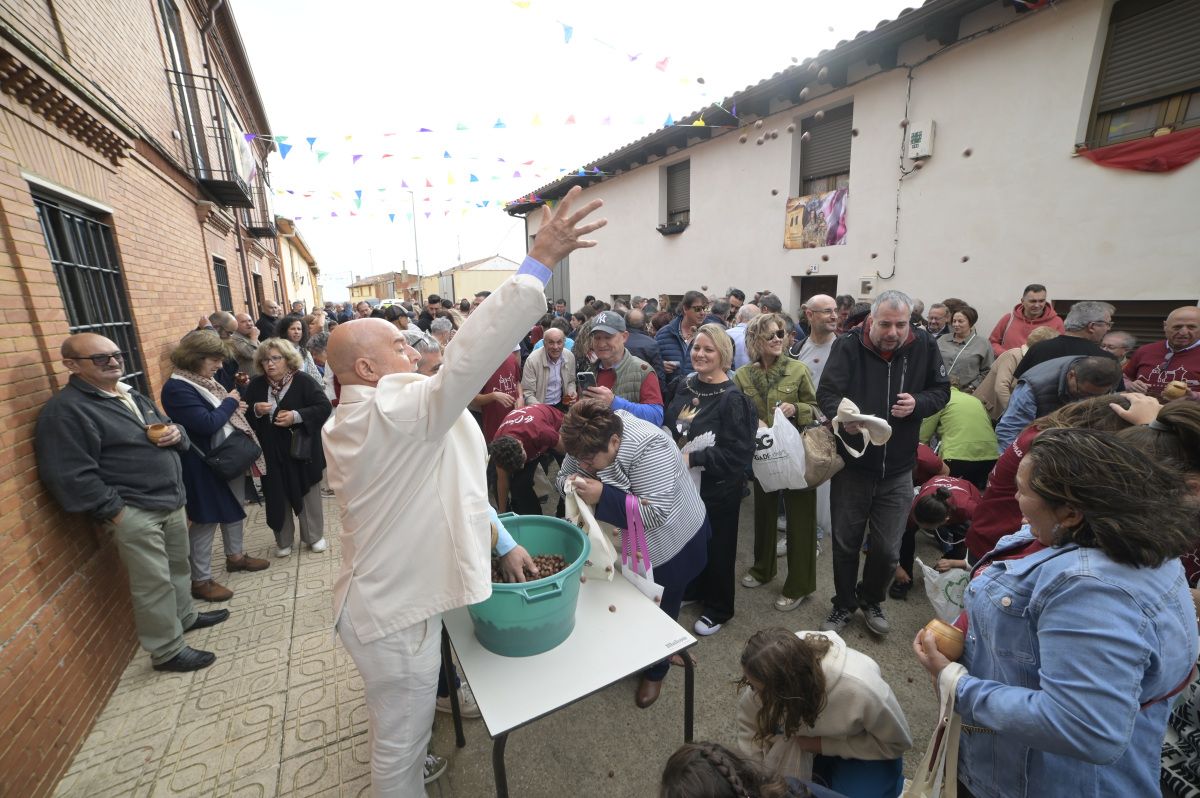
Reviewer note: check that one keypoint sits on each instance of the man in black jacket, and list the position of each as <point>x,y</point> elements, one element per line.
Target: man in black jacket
<point>95,454</point>
<point>894,372</point>
<point>272,312</point>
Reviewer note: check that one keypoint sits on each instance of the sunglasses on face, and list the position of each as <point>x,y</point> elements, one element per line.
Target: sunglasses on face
<point>698,308</point>
<point>102,360</point>
<point>780,334</point>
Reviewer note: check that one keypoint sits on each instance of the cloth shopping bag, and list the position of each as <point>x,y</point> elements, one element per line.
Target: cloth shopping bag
<point>602,561</point>
<point>635,555</point>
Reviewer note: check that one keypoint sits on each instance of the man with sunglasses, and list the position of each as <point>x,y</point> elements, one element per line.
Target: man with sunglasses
<point>95,455</point>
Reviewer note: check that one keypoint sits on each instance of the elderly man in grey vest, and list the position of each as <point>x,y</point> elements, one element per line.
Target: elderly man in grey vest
<point>623,381</point>
<point>1050,385</point>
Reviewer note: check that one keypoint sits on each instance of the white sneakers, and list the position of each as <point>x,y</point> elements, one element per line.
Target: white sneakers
<point>750,581</point>
<point>467,706</point>
<point>319,546</point>
<point>705,627</point>
<point>284,552</point>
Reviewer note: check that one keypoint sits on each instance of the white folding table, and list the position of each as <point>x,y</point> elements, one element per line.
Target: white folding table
<point>604,647</point>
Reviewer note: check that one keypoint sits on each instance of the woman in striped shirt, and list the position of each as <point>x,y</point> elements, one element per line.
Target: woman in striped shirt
<point>612,455</point>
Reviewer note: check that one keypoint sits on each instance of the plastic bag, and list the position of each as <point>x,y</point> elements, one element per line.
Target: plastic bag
<point>779,456</point>
<point>635,555</point>
<point>945,590</point>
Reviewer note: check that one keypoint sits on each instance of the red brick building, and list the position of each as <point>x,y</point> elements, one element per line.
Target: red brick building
<point>132,202</point>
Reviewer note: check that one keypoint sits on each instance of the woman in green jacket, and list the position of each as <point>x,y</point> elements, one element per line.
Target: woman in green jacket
<point>772,380</point>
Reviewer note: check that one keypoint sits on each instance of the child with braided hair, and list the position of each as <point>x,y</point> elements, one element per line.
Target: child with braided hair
<point>812,708</point>
<point>710,770</point>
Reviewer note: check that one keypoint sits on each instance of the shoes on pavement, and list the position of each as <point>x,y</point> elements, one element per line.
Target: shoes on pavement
<point>750,581</point>
<point>210,618</point>
<point>245,562</point>
<point>877,622</point>
<point>785,604</point>
<point>677,659</point>
<point>899,590</point>
<point>647,692</point>
<point>286,551</point>
<point>326,492</point>
<point>467,706</point>
<point>435,766</point>
<point>189,659</point>
<point>837,619</point>
<point>319,546</point>
<point>704,626</point>
<point>208,590</point>
<point>781,546</point>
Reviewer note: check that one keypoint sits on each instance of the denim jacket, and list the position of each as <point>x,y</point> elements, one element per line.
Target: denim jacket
<point>1063,648</point>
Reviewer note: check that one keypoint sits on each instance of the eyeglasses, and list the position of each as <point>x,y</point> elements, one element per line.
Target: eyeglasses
<point>698,308</point>
<point>274,358</point>
<point>826,312</point>
<point>102,360</point>
<point>780,334</point>
<point>1105,324</point>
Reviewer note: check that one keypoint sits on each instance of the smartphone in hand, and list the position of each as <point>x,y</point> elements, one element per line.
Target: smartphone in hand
<point>585,380</point>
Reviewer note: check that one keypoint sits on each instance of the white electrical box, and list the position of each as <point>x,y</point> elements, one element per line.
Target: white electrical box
<point>920,140</point>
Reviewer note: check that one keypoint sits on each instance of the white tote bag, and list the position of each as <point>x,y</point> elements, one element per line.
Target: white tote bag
<point>779,456</point>
<point>937,775</point>
<point>600,563</point>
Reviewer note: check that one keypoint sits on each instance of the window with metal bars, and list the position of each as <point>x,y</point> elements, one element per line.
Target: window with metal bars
<point>679,193</point>
<point>1150,77</point>
<point>221,275</point>
<point>90,279</point>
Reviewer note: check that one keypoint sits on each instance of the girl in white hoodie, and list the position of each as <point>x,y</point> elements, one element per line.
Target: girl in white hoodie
<point>814,709</point>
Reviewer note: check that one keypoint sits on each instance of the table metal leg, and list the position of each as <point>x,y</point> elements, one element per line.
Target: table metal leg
<point>689,694</point>
<point>455,712</point>
<point>498,765</point>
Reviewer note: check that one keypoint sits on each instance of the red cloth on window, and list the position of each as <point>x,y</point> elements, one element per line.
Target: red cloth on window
<point>1154,154</point>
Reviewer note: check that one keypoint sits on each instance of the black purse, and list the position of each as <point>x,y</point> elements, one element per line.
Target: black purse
<point>300,447</point>
<point>231,457</point>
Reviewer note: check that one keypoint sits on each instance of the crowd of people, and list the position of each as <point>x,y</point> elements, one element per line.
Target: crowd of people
<point>1055,460</point>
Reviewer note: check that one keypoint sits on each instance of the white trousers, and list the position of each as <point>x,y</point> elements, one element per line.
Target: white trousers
<point>399,674</point>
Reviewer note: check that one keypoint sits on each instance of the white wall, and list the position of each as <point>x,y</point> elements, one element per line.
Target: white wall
<point>1022,207</point>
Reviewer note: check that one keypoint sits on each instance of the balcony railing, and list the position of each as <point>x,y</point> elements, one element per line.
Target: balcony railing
<point>220,157</point>
<point>260,220</point>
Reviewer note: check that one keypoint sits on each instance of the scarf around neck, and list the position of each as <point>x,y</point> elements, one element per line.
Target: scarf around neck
<point>237,420</point>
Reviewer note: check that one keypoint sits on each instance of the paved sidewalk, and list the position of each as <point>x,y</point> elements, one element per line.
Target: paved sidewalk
<point>281,712</point>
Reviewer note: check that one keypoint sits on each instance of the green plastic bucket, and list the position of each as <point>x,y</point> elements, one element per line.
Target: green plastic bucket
<point>524,619</point>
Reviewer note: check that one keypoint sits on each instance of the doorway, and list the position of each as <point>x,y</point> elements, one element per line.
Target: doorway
<point>805,288</point>
<point>259,298</point>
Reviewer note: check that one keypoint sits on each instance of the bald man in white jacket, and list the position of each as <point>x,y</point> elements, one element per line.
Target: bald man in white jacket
<point>407,463</point>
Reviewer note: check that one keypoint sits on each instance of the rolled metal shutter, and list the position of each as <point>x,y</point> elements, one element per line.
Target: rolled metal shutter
<point>827,151</point>
<point>1151,53</point>
<point>679,192</point>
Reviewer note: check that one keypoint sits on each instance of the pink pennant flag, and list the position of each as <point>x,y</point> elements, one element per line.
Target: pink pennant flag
<point>570,120</point>
<point>661,66</point>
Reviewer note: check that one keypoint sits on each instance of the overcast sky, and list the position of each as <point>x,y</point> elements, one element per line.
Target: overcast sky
<point>364,76</point>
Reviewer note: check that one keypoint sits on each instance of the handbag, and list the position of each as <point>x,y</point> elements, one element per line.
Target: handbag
<point>635,556</point>
<point>937,775</point>
<point>599,564</point>
<point>300,446</point>
<point>821,459</point>
<point>231,457</point>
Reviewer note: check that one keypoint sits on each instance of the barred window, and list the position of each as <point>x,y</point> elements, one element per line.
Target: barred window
<point>90,279</point>
<point>221,275</point>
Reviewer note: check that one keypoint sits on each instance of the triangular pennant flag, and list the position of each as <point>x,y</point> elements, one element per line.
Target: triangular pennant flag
<point>386,155</point>
<point>446,154</point>
<point>391,217</point>
<point>699,122</point>
<point>311,141</point>
<point>567,31</point>
<point>424,130</point>
<point>485,203</point>
<point>403,184</point>
<point>349,138</point>
<point>474,179</point>
<point>527,163</point>
<point>607,120</point>
<point>358,194</point>
<point>581,171</point>
<point>284,149</point>
<point>333,214</point>
<point>445,213</point>
<point>336,194</point>
<point>661,66</point>
<point>427,214</point>
<point>570,120</point>
<point>516,174</point>
<point>501,160</point>
<point>499,123</point>
<point>537,120</point>
<point>280,139</point>
<point>321,155</point>
<point>249,136</point>
<point>450,179</point>
<point>355,158</point>
<point>670,121</point>
<point>408,216</point>
<point>461,126</point>
<point>521,3</point>
<point>428,184</point>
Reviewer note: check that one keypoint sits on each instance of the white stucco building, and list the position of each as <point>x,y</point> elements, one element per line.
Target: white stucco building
<point>1004,199</point>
